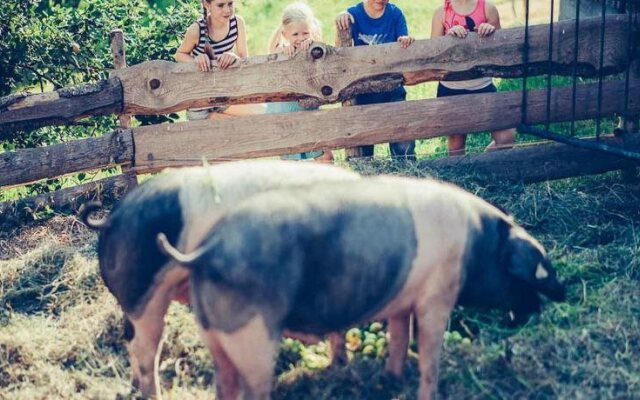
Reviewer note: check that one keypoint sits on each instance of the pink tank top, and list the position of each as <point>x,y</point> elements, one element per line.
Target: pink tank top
<point>452,18</point>
<point>470,22</point>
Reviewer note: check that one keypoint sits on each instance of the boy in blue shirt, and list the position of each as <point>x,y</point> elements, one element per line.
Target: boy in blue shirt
<point>376,22</point>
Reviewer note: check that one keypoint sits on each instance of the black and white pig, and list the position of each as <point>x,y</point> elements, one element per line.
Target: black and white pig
<point>184,204</point>
<point>325,257</point>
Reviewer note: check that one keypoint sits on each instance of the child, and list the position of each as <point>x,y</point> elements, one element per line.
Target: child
<point>376,22</point>
<point>456,18</point>
<point>299,28</point>
<point>219,30</point>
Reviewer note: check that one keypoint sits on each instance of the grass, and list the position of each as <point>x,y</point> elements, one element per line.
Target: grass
<point>60,330</point>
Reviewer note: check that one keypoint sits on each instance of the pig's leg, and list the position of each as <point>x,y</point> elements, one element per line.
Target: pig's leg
<point>338,352</point>
<point>432,324</point>
<point>398,344</point>
<point>253,349</point>
<point>146,333</point>
<point>144,351</point>
<point>227,376</point>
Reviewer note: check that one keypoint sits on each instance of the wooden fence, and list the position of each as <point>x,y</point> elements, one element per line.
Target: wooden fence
<point>325,74</point>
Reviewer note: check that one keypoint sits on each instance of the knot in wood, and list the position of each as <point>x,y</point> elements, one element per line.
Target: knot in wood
<point>154,83</point>
<point>326,90</point>
<point>317,52</point>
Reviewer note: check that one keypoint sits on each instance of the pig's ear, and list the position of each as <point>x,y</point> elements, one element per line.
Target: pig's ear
<point>524,261</point>
<point>517,256</point>
<point>529,265</point>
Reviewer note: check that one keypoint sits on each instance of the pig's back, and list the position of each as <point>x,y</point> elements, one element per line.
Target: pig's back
<point>328,255</point>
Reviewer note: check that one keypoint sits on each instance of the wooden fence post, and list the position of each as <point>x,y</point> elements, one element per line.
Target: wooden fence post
<point>344,39</point>
<point>119,62</point>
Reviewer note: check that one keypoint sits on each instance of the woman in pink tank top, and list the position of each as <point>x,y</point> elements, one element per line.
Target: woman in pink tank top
<point>458,18</point>
<point>468,21</point>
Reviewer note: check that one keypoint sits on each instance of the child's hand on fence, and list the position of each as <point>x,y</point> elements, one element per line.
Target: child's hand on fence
<point>203,62</point>
<point>288,50</point>
<point>459,31</point>
<point>344,20</point>
<point>485,29</point>
<point>226,59</point>
<point>305,44</point>
<point>405,41</point>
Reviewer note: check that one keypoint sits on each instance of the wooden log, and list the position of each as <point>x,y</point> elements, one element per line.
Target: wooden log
<point>119,62</point>
<point>326,74</point>
<point>28,165</point>
<point>180,144</point>
<point>535,163</point>
<point>65,200</point>
<point>344,39</point>
<point>63,106</point>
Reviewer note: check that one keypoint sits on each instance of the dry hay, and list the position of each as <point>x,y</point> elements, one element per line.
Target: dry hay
<point>60,330</point>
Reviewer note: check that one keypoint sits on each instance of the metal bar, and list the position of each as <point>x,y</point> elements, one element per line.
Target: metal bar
<point>585,144</point>
<point>575,70</point>
<point>549,75</point>
<point>627,75</point>
<point>601,75</point>
<point>525,62</point>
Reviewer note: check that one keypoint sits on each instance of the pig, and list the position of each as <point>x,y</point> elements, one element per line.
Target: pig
<point>183,204</point>
<point>325,257</point>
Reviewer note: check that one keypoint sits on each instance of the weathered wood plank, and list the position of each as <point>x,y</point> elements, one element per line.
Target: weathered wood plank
<point>119,62</point>
<point>327,74</point>
<point>65,200</point>
<point>28,165</point>
<point>344,39</point>
<point>323,74</point>
<point>536,163</point>
<point>63,106</point>
<point>159,146</point>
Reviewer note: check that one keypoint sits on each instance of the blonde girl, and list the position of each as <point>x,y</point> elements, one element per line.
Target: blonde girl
<point>298,29</point>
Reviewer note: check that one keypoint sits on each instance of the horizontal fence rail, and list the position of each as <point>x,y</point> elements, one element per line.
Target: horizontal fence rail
<point>67,199</point>
<point>539,162</point>
<point>153,147</point>
<point>160,146</point>
<point>326,74</point>
<point>531,163</point>
<point>28,165</point>
<point>60,107</point>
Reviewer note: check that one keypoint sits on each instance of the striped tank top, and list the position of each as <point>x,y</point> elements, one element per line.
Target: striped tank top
<point>469,22</point>
<point>220,47</point>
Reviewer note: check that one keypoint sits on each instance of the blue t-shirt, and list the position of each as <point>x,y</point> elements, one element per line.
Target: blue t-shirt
<point>371,31</point>
<point>386,29</point>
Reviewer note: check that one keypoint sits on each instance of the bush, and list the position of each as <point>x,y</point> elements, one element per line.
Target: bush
<point>52,44</point>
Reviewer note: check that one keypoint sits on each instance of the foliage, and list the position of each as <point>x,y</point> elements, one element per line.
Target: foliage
<point>50,45</point>
<point>41,42</point>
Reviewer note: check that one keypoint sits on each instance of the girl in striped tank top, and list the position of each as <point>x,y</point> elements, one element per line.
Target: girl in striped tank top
<point>220,29</point>
<point>457,18</point>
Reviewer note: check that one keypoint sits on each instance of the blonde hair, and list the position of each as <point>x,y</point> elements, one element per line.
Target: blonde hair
<point>295,13</point>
